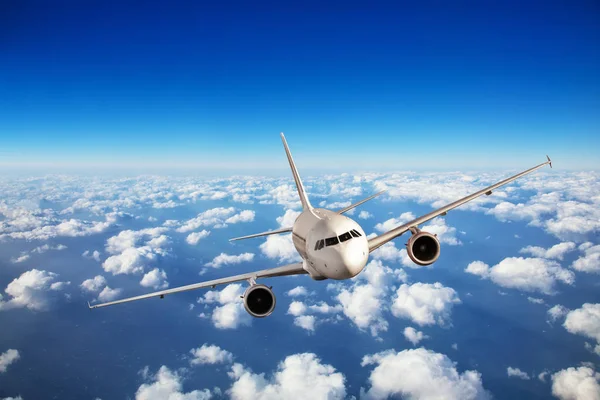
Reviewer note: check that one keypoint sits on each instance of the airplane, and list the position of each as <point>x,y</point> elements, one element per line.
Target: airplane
<point>331,245</point>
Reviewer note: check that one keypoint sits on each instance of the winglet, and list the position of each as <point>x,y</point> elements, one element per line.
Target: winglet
<point>549,161</point>
<point>89,306</point>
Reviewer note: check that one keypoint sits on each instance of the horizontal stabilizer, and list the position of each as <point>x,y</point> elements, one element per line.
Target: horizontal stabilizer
<point>350,207</point>
<point>275,232</point>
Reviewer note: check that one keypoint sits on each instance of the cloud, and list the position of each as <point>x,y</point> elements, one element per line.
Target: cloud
<point>365,215</point>
<point>244,216</point>
<point>95,255</point>
<point>167,385</point>
<point>298,377</point>
<point>425,303</point>
<point>156,279</point>
<point>210,354</point>
<point>517,373</point>
<point>581,383</point>
<point>306,322</point>
<point>7,358</point>
<point>287,220</point>
<point>556,312</point>
<point>296,308</point>
<point>280,247</point>
<point>94,284</point>
<point>420,374</point>
<point>363,302</point>
<point>584,321</point>
<point>230,314</point>
<point>108,294</point>
<point>297,291</point>
<point>414,336</point>
<point>227,259</point>
<point>445,234</point>
<point>535,300</point>
<point>133,250</point>
<point>20,259</point>
<point>526,274</point>
<point>195,237</point>
<point>557,251</point>
<point>394,222</point>
<point>32,290</point>
<point>590,261</point>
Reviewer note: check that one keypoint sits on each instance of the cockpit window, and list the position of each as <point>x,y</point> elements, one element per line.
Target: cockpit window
<point>355,233</point>
<point>345,236</point>
<point>320,244</point>
<point>332,241</point>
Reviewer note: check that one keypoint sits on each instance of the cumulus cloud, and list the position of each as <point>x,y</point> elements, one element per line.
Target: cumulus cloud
<point>414,336</point>
<point>95,255</point>
<point>517,373</point>
<point>210,354</point>
<point>394,222</point>
<point>7,358</point>
<point>287,220</point>
<point>280,247</point>
<point>243,216</point>
<point>557,311</point>
<point>590,261</point>
<point>228,259</point>
<point>363,301</point>
<point>365,215</point>
<point>297,291</point>
<point>133,250</point>
<point>299,376</point>
<point>157,279</point>
<point>420,374</point>
<point>168,385</point>
<point>581,383</point>
<point>195,237</point>
<point>230,312</point>
<point>557,251</point>
<point>306,322</point>
<point>425,303</point>
<point>445,234</point>
<point>296,308</point>
<point>32,290</point>
<point>108,294</point>
<point>526,274</point>
<point>585,321</point>
<point>93,284</point>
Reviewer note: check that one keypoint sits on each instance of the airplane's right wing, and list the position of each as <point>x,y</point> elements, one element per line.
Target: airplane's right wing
<point>382,239</point>
<point>292,269</point>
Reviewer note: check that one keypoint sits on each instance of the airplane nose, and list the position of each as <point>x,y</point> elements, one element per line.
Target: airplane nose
<point>355,258</point>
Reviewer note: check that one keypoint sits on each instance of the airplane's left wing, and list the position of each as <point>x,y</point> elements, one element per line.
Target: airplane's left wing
<point>291,269</point>
<point>382,239</point>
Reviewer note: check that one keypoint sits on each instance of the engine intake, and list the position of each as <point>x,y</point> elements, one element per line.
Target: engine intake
<point>259,301</point>
<point>423,248</point>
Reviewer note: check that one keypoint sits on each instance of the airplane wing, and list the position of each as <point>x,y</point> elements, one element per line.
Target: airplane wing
<point>350,207</point>
<point>382,239</point>
<point>275,232</point>
<point>291,269</point>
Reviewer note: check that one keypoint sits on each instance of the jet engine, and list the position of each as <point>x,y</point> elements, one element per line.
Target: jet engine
<point>259,301</point>
<point>423,248</point>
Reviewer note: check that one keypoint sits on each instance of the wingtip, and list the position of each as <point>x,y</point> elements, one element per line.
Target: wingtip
<point>89,305</point>
<point>549,160</point>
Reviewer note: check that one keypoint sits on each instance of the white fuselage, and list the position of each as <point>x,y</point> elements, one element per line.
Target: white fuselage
<point>332,245</point>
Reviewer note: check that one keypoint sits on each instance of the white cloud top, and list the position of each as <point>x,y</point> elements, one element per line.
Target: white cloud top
<point>425,303</point>
<point>420,374</point>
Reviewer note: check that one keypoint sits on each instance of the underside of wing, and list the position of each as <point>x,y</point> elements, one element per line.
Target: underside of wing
<point>291,269</point>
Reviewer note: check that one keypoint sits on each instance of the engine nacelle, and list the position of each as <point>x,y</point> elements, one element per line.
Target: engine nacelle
<point>423,248</point>
<point>259,301</point>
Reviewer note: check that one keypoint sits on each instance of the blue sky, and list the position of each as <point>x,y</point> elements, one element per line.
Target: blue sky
<point>426,85</point>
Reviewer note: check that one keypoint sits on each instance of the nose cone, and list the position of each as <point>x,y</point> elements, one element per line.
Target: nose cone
<point>355,256</point>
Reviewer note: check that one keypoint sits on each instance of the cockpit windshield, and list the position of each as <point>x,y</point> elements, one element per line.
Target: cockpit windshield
<point>332,241</point>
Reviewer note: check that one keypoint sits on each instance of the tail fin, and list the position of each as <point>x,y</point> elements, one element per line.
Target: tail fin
<point>303,198</point>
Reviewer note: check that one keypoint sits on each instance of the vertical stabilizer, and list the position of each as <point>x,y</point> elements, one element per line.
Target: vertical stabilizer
<point>303,198</point>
